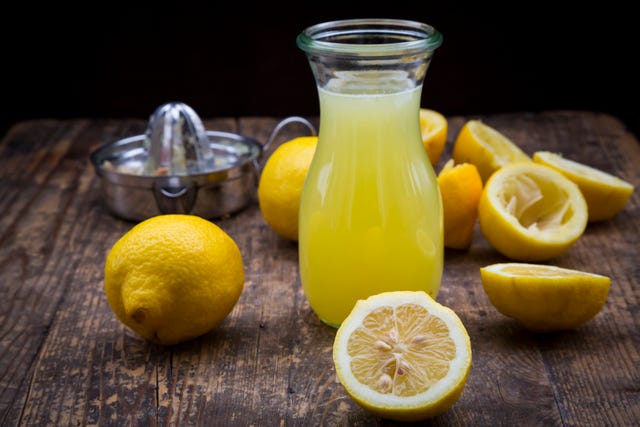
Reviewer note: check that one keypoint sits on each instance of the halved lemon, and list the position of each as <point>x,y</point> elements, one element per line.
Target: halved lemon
<point>434,128</point>
<point>530,212</point>
<point>485,147</point>
<point>402,355</point>
<point>605,194</point>
<point>545,298</point>
<point>460,187</point>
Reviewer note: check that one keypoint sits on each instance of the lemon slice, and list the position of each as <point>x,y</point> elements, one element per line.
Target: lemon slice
<point>605,194</point>
<point>460,187</point>
<point>530,212</point>
<point>485,147</point>
<point>402,355</point>
<point>545,298</point>
<point>433,126</point>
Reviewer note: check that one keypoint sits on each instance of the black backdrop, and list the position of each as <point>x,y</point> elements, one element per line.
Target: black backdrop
<point>238,59</point>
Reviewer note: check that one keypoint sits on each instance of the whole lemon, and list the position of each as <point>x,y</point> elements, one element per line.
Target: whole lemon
<point>281,183</point>
<point>172,278</point>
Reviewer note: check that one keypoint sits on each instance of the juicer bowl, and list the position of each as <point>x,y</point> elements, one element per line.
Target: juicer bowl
<point>223,190</point>
<point>179,167</point>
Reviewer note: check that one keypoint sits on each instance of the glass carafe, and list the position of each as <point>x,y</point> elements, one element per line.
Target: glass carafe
<point>370,212</point>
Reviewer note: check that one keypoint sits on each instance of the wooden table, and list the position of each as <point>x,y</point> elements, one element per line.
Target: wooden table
<point>66,360</point>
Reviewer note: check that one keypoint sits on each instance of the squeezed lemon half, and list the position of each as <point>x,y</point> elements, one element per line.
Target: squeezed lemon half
<point>545,298</point>
<point>485,147</point>
<point>605,194</point>
<point>434,127</point>
<point>530,212</point>
<point>402,355</point>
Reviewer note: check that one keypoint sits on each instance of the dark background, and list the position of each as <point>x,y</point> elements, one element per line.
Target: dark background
<point>232,59</point>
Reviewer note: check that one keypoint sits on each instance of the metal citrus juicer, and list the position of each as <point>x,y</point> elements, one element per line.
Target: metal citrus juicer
<point>177,166</point>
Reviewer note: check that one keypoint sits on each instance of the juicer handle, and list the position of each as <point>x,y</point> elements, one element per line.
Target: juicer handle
<point>259,163</point>
<point>282,124</point>
<point>175,195</point>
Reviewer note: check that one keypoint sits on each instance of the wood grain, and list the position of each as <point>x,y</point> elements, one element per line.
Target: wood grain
<point>66,360</point>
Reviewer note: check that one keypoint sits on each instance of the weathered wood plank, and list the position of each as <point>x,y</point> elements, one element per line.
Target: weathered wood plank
<point>66,360</point>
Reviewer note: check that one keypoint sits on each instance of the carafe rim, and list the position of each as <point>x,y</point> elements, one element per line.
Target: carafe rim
<point>369,37</point>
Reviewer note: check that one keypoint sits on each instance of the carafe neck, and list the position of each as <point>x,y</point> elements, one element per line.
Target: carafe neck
<point>369,56</point>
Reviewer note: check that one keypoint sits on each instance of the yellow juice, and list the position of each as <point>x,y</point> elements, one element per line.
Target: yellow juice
<point>370,212</point>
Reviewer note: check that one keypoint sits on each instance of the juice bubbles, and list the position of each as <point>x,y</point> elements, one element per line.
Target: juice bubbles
<point>370,213</point>
<point>370,216</point>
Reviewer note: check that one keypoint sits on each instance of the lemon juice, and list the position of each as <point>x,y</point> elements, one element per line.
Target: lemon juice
<point>370,212</point>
